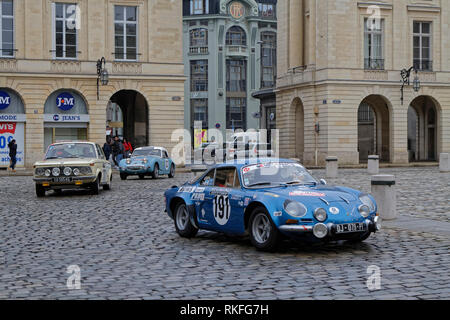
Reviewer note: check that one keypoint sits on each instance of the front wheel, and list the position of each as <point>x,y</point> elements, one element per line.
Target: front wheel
<point>40,191</point>
<point>155,174</point>
<point>183,223</point>
<point>123,176</point>
<point>263,233</point>
<point>96,187</point>
<point>172,172</point>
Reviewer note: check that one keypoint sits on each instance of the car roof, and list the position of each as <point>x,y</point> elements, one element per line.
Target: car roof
<point>152,148</point>
<point>247,162</point>
<point>72,142</point>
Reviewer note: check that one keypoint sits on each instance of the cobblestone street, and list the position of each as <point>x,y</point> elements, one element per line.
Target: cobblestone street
<point>127,247</point>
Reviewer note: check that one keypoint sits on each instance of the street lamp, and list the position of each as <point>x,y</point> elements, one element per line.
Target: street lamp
<point>102,75</point>
<point>406,75</point>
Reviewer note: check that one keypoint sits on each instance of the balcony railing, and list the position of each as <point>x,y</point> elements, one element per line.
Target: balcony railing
<point>198,50</point>
<point>236,50</point>
<point>423,65</point>
<point>373,64</point>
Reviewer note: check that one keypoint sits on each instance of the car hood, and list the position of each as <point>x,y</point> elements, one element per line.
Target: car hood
<point>141,158</point>
<point>65,162</point>
<point>316,194</point>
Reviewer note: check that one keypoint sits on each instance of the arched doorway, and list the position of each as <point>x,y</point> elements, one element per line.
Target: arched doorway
<point>127,116</point>
<point>374,133</point>
<point>297,106</point>
<point>423,129</point>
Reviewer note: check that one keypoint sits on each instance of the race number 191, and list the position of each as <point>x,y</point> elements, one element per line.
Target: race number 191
<point>222,209</point>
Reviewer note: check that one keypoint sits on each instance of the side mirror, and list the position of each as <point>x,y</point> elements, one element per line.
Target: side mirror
<point>323,182</point>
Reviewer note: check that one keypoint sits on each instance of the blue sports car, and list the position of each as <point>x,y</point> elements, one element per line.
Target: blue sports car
<point>268,199</point>
<point>148,161</point>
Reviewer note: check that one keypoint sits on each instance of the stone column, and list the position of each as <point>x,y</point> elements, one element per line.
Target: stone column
<point>444,162</point>
<point>374,165</point>
<point>332,167</point>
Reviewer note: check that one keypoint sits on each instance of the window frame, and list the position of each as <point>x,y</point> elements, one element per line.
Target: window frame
<point>421,36</point>
<point>124,24</point>
<point>199,11</point>
<point>64,21</point>
<point>371,50</point>
<point>2,16</point>
<point>273,51</point>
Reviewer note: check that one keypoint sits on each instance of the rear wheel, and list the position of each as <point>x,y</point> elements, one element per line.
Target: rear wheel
<point>40,191</point>
<point>108,186</point>
<point>183,223</point>
<point>264,234</point>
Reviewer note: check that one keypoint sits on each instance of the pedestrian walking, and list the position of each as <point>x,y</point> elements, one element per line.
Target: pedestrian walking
<point>13,154</point>
<point>117,151</point>
<point>107,148</point>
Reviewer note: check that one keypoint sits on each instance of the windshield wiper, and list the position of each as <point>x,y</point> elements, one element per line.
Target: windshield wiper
<point>259,184</point>
<point>293,182</point>
<point>52,158</point>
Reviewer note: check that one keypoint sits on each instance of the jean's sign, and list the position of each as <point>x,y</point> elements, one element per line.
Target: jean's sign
<point>65,101</point>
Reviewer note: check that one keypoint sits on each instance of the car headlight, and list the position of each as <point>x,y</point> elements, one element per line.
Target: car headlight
<point>145,161</point>
<point>85,170</point>
<point>40,172</point>
<point>320,230</point>
<point>364,210</point>
<point>365,199</point>
<point>56,172</point>
<point>320,214</point>
<point>76,171</point>
<point>128,161</point>
<point>295,209</point>
<point>67,171</point>
<point>48,173</point>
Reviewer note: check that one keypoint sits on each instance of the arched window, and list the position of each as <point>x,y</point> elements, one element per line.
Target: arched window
<point>236,36</point>
<point>199,37</point>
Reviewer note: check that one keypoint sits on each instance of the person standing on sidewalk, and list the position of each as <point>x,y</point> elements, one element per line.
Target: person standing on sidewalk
<point>13,154</point>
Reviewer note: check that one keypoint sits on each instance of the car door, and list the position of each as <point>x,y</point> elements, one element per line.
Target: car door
<point>106,165</point>
<point>166,162</point>
<point>202,200</point>
<point>225,202</point>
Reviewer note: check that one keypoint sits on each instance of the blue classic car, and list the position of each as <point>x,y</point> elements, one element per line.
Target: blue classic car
<point>267,199</point>
<point>148,161</point>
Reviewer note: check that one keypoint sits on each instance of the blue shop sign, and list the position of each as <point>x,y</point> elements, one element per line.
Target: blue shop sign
<point>5,100</point>
<point>65,101</point>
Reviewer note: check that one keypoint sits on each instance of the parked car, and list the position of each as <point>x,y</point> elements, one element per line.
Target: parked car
<point>147,161</point>
<point>72,165</point>
<point>267,198</point>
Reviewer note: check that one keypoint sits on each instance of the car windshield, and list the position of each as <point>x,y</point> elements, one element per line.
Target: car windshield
<point>147,153</point>
<point>71,150</point>
<point>276,174</point>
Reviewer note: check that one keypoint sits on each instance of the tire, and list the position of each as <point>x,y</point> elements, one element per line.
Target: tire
<point>141,176</point>
<point>172,172</point>
<point>155,173</point>
<point>107,187</point>
<point>58,191</point>
<point>40,191</point>
<point>183,223</point>
<point>95,189</point>
<point>264,235</point>
<point>123,176</point>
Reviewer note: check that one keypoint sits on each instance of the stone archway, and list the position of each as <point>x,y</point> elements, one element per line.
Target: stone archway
<point>374,129</point>
<point>128,117</point>
<point>423,129</point>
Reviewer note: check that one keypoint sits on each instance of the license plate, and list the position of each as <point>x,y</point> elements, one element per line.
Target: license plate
<point>350,228</point>
<point>62,180</point>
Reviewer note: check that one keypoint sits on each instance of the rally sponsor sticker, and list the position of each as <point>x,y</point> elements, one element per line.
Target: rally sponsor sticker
<point>306,194</point>
<point>198,197</point>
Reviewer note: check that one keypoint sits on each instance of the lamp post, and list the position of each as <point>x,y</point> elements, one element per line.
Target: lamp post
<point>102,75</point>
<point>406,75</point>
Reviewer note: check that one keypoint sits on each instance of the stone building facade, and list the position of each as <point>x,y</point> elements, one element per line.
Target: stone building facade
<point>48,72</point>
<point>339,80</point>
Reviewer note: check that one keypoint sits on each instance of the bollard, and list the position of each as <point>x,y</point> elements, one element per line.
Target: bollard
<point>444,162</point>
<point>383,190</point>
<point>374,165</point>
<point>332,167</point>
